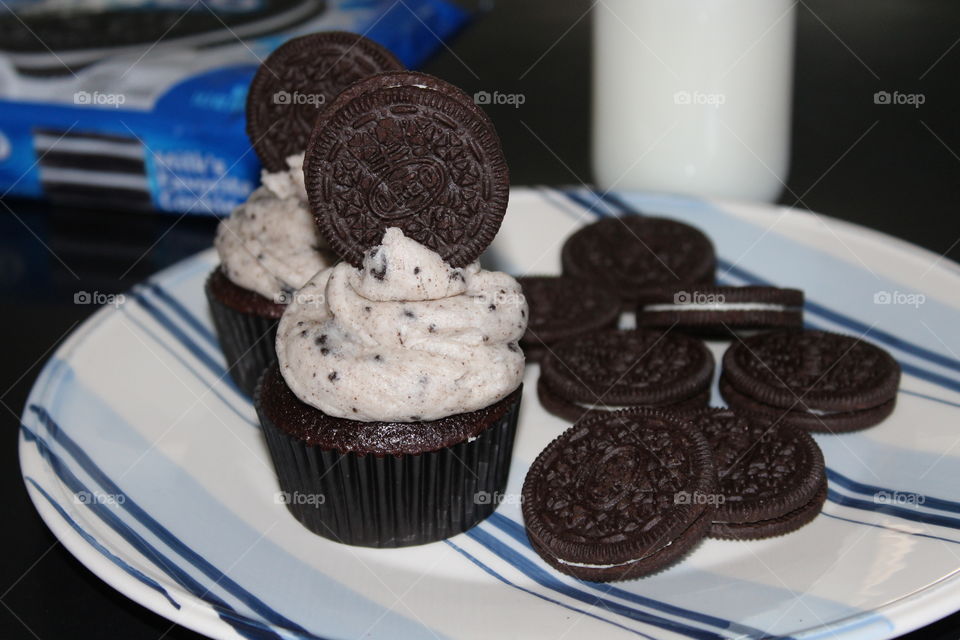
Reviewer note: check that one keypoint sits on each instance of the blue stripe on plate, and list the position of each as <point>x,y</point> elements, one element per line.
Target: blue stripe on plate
<point>499,577</point>
<point>157,529</point>
<point>182,578</point>
<point>546,579</point>
<point>181,310</point>
<point>597,207</point>
<point>877,525</point>
<point>893,510</point>
<point>872,490</point>
<point>93,542</point>
<point>929,376</point>
<point>217,370</point>
<point>917,394</point>
<point>516,531</point>
<point>188,317</point>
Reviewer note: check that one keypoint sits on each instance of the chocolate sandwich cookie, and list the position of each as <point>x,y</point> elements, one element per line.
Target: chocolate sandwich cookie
<point>816,380</point>
<point>718,311</point>
<point>564,307</point>
<point>297,81</point>
<point>772,478</point>
<point>425,160</point>
<point>618,495</point>
<point>614,369</point>
<point>384,80</point>
<point>636,256</point>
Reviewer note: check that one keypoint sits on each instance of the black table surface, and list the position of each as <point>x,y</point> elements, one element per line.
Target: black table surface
<point>893,168</point>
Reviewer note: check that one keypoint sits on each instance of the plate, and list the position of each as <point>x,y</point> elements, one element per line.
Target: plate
<point>149,466</point>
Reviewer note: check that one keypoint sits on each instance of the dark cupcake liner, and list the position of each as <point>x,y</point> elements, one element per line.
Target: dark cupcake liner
<point>393,500</point>
<point>247,340</point>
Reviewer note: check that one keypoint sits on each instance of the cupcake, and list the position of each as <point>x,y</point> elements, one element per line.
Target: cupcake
<point>390,415</point>
<point>395,396</point>
<point>269,246</point>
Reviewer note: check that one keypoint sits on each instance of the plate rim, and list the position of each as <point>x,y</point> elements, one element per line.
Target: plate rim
<point>906,613</point>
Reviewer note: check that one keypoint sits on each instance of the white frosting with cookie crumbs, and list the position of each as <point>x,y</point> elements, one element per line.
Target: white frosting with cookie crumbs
<point>270,244</point>
<point>405,338</point>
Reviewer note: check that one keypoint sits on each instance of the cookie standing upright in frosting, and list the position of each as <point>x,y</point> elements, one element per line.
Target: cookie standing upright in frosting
<point>398,384</point>
<point>411,151</point>
<point>269,246</point>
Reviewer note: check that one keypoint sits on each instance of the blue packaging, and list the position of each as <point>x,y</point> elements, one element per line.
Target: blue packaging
<point>159,125</point>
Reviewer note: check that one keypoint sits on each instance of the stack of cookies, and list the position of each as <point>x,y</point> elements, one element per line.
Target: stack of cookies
<point>648,470</point>
<point>626,494</point>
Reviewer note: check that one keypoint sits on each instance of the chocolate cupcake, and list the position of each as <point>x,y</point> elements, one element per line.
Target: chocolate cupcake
<point>391,415</point>
<point>268,248</point>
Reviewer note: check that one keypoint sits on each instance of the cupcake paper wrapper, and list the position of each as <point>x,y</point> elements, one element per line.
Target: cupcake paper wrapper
<point>393,501</point>
<point>247,340</point>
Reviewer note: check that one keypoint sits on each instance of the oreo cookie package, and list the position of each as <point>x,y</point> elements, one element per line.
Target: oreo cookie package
<point>139,104</point>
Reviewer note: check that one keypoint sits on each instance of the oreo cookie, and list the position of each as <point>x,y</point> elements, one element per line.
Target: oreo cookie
<point>614,369</point>
<point>815,380</point>
<point>385,80</point>
<point>297,81</point>
<point>637,256</point>
<point>771,478</point>
<point>718,311</point>
<point>416,154</point>
<point>615,496</point>
<point>564,307</point>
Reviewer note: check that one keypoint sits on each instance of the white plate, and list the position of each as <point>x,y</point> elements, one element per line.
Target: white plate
<point>150,468</point>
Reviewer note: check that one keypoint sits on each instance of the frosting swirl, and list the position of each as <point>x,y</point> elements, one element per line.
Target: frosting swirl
<point>405,338</point>
<point>270,243</point>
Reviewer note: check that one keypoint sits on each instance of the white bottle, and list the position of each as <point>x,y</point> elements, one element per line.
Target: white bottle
<point>693,96</point>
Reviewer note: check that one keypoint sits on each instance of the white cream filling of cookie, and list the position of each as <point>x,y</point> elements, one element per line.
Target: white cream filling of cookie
<point>586,565</point>
<point>720,306</point>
